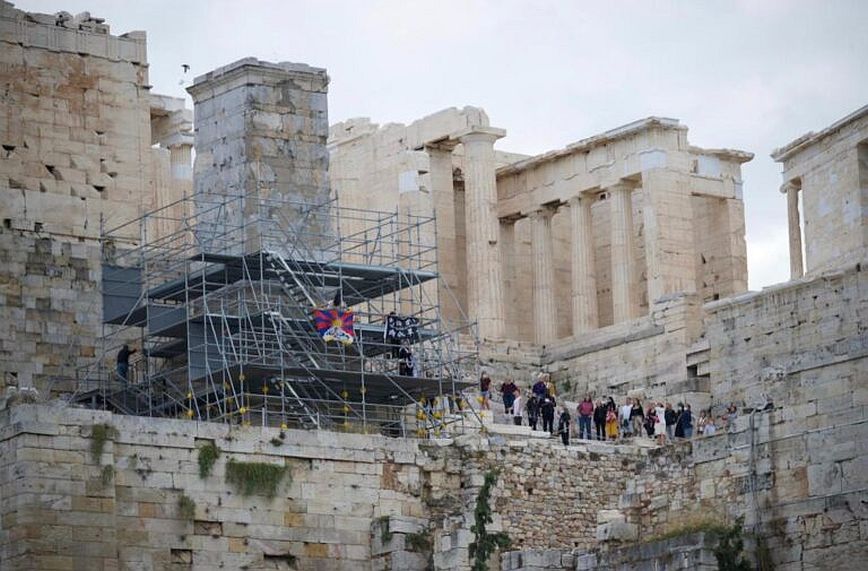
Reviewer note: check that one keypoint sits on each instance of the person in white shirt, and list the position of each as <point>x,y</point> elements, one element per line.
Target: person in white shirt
<point>660,424</point>
<point>516,408</point>
<point>624,418</point>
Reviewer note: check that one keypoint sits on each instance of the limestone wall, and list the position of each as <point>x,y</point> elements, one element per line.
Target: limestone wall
<point>76,159</point>
<point>349,501</point>
<point>647,353</point>
<point>829,169</point>
<point>76,135</point>
<point>50,309</point>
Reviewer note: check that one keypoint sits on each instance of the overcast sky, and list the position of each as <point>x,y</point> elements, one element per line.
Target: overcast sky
<point>749,74</point>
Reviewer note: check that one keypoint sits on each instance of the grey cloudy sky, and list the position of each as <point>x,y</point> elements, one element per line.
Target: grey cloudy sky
<point>748,74</point>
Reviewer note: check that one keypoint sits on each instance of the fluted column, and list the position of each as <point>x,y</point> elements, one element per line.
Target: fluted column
<point>623,255</point>
<point>584,279</point>
<point>181,161</point>
<point>544,316</point>
<point>797,269</point>
<point>443,198</point>
<point>484,259</point>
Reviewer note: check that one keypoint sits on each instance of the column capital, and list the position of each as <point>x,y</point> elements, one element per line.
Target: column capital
<point>178,139</point>
<point>581,199</point>
<point>791,186</point>
<point>621,185</point>
<point>445,144</point>
<point>542,211</point>
<point>477,134</point>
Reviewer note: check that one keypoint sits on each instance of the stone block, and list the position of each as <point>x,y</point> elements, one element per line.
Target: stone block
<point>617,531</point>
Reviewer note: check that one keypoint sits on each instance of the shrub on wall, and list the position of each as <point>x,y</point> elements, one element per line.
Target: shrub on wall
<point>255,477</point>
<point>208,455</point>
<point>485,543</point>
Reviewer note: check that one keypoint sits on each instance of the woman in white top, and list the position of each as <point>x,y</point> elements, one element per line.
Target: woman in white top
<point>516,409</point>
<point>660,424</point>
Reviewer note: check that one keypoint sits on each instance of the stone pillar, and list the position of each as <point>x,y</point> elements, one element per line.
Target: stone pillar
<point>261,131</point>
<point>623,254</point>
<point>443,198</point>
<point>584,279</point>
<point>544,315</point>
<point>484,261</point>
<point>797,269</point>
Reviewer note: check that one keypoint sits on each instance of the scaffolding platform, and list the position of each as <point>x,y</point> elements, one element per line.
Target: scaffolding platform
<point>219,307</point>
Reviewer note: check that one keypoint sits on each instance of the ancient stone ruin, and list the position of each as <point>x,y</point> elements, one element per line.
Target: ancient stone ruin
<point>272,415</point>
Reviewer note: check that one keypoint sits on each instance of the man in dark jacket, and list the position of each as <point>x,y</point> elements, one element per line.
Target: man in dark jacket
<point>600,420</point>
<point>123,368</point>
<point>564,426</point>
<point>670,417</point>
<point>533,411</point>
<point>547,408</point>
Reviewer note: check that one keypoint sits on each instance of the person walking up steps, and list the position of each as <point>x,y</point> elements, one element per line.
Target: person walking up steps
<point>508,389</point>
<point>485,391</point>
<point>533,403</point>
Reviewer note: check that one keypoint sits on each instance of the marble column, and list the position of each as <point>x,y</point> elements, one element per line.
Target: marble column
<point>623,253</point>
<point>797,269</point>
<point>443,199</point>
<point>544,315</point>
<point>484,259</point>
<point>584,279</point>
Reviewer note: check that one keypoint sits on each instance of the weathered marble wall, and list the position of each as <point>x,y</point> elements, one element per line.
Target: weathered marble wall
<point>261,131</point>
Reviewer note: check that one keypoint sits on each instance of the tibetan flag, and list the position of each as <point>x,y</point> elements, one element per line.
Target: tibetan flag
<point>334,325</point>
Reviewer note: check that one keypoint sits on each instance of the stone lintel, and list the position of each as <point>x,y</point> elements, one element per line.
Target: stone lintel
<point>62,32</point>
<point>623,132</point>
<point>794,147</point>
<point>729,155</point>
<point>250,70</point>
<point>478,131</point>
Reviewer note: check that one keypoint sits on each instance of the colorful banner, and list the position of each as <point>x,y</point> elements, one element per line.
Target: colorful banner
<point>334,325</point>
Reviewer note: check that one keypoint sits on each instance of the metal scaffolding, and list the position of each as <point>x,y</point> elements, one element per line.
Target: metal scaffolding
<point>219,304</point>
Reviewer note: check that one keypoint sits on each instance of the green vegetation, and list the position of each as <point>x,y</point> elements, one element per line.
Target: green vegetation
<point>699,526</point>
<point>255,477</point>
<point>385,532</point>
<point>730,543</point>
<point>276,442</point>
<point>485,543</point>
<point>107,475</point>
<point>208,454</point>
<point>186,507</point>
<point>99,435</point>
<point>419,542</point>
<point>729,551</point>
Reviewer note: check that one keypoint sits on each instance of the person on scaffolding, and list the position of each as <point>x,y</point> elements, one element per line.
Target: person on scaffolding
<point>123,367</point>
<point>406,362</point>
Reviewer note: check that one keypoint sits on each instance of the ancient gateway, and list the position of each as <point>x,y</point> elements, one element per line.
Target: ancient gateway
<point>307,309</point>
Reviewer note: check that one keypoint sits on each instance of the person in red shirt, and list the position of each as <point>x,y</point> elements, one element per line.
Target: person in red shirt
<point>585,412</point>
